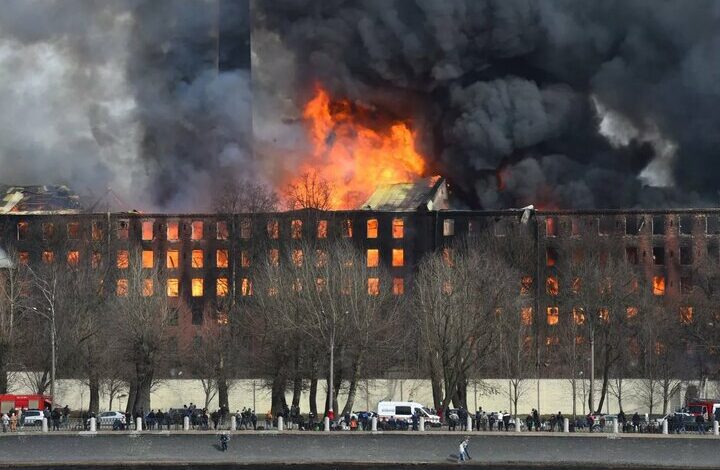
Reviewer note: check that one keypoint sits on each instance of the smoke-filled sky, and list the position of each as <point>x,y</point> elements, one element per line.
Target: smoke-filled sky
<point>573,103</point>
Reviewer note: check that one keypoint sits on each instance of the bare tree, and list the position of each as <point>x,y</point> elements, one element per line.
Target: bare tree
<point>244,196</point>
<point>142,312</point>
<point>15,283</point>
<point>310,191</point>
<point>458,292</point>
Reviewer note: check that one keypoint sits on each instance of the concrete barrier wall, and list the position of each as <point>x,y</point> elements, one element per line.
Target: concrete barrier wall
<point>492,395</point>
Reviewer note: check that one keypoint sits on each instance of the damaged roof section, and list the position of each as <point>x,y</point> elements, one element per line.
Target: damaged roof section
<point>38,199</point>
<point>429,194</point>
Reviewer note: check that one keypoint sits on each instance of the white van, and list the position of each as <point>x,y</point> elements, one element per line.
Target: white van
<point>405,410</point>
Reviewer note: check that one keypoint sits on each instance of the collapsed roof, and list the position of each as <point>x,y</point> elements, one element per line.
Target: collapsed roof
<point>425,194</point>
<point>38,199</point>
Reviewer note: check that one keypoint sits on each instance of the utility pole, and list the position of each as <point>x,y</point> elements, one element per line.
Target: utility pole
<point>591,401</point>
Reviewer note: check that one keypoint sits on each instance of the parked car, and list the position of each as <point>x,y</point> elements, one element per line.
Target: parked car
<point>677,421</point>
<point>108,418</point>
<point>32,417</point>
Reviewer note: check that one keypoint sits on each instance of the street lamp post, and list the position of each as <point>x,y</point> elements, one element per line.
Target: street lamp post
<point>591,401</point>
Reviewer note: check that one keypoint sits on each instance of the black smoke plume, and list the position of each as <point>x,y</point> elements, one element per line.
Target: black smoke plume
<point>571,103</point>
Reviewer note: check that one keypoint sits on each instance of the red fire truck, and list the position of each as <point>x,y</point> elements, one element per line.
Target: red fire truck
<point>31,402</point>
<point>697,406</point>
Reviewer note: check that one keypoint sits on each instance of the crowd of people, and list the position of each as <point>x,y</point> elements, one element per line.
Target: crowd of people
<point>15,418</point>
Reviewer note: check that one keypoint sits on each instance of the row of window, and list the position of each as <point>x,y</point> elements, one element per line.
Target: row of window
<point>197,287</point>
<point>172,229</point>
<point>633,225</point>
<point>632,255</point>
<point>552,286</point>
<point>197,258</point>
<point>579,317</point>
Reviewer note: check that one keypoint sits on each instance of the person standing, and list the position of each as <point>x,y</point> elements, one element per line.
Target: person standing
<point>700,421</point>
<point>462,450</point>
<point>224,438</point>
<point>13,422</point>
<point>5,422</point>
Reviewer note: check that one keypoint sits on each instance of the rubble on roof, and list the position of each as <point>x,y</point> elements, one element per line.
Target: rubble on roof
<point>425,194</point>
<point>38,199</point>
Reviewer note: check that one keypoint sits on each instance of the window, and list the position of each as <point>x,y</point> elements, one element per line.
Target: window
<point>686,315</point>
<point>122,287</point>
<point>322,226</point>
<point>398,257</point>
<point>373,258</point>
<point>221,287</point>
<point>713,227</point>
<point>398,228</point>
<point>551,341</point>
<point>297,257</point>
<point>24,258</point>
<point>605,225</point>
<point>197,258</point>
<point>296,229</point>
<point>550,228</point>
<point>574,227</point>
<point>658,284</point>
<point>604,314</point>
<point>173,259</point>
<point>347,228</point>
<point>274,256</point>
<point>551,256</point>
<point>631,254</point>
<point>631,225</point>
<point>96,259</point>
<point>658,225</point>
<point>196,232</point>
<point>73,230</point>
<point>553,316</point>
<point>221,258</point>
<point>686,255</point>
<point>197,319</point>
<point>123,227</point>
<point>73,258</point>
<point>398,286</point>
<point>245,287</point>
<point>373,286</point>
<point>448,227</point>
<point>273,229</point>
<point>526,316</point>
<point>579,315</point>
<point>686,224</point>
<point>147,290</point>
<point>321,258</point>
<point>245,229</point>
<point>658,255</point>
<point>197,287</point>
<point>551,286</point>
<point>48,257</point>
<point>173,230</point>
<point>372,228</point>
<point>48,231</point>
<point>148,259</point>
<point>686,285</point>
<point>320,284</point>
<point>221,230</point>
<point>173,287</point>
<point>631,312</point>
<point>147,230</point>
<point>526,284</point>
<point>23,229</point>
<point>97,231</point>
<point>123,259</point>
<point>447,255</point>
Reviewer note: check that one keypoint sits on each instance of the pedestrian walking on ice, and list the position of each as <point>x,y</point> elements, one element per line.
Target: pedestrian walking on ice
<point>462,450</point>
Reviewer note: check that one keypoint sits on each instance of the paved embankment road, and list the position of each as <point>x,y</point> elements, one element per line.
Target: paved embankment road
<point>434,449</point>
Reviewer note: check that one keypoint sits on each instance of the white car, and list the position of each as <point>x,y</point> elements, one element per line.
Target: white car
<point>107,418</point>
<point>32,417</point>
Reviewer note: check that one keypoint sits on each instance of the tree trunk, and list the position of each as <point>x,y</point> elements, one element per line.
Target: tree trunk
<point>132,393</point>
<point>4,359</point>
<point>94,383</point>
<point>278,394</point>
<point>352,389</point>
<point>606,378</point>
<point>313,395</point>
<point>223,399</point>
<point>144,385</point>
<point>437,389</point>
<point>573,384</point>
<point>297,390</point>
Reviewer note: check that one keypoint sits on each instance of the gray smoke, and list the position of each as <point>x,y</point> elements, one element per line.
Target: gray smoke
<point>528,87</point>
<point>148,97</point>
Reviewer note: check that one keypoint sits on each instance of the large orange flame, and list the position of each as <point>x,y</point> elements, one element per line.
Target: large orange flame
<point>353,157</point>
